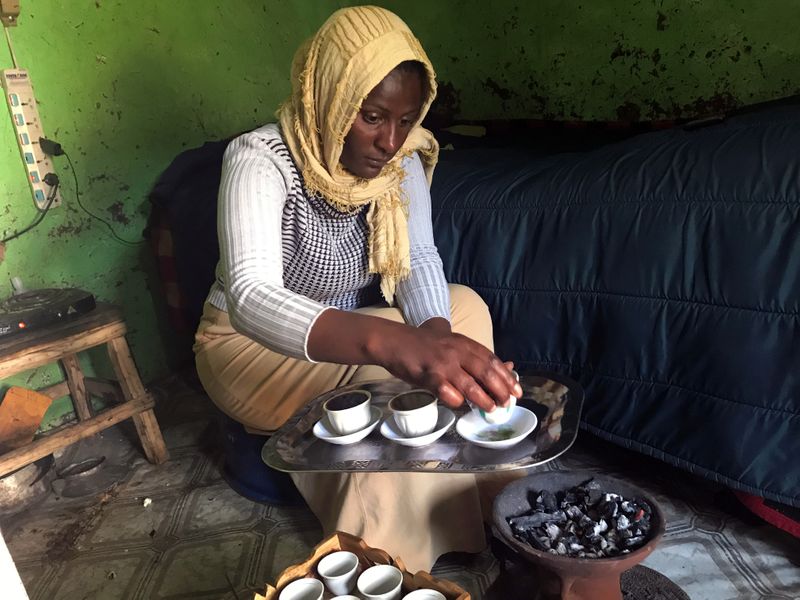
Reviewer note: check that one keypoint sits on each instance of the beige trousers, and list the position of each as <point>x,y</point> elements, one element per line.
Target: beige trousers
<point>417,516</point>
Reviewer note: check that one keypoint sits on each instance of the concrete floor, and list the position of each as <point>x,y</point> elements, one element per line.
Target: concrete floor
<point>179,531</point>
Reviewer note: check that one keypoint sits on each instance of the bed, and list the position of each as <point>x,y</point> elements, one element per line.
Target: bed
<point>661,271</point>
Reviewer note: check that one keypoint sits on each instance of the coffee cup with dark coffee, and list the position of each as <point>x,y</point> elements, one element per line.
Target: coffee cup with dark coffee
<point>349,411</point>
<point>415,412</point>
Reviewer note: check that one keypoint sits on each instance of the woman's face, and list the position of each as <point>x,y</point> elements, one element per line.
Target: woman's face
<point>383,123</point>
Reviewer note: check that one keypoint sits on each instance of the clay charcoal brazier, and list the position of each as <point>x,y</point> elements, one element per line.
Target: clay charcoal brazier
<point>585,577</point>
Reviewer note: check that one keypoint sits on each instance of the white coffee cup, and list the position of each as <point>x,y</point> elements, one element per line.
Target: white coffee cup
<point>347,597</point>
<point>500,414</point>
<point>424,594</point>
<point>415,412</point>
<point>348,412</point>
<point>381,582</point>
<point>339,571</point>
<point>307,588</point>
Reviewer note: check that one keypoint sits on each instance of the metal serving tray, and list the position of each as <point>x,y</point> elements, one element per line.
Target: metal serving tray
<point>556,400</point>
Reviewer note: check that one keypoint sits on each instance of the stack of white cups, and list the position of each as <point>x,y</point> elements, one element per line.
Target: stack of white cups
<point>340,572</point>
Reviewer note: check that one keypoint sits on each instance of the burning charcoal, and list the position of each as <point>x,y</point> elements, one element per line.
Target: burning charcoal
<point>526,522</point>
<point>553,531</point>
<point>533,541</point>
<point>607,510</point>
<point>570,539</point>
<point>583,521</point>
<point>593,491</point>
<point>600,527</point>
<point>549,501</point>
<point>633,542</point>
<point>586,523</point>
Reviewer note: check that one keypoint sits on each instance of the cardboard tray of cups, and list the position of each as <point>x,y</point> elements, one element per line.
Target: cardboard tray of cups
<point>367,557</point>
<point>555,400</point>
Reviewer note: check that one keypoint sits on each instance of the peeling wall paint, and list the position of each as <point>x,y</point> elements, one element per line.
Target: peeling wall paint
<point>125,86</point>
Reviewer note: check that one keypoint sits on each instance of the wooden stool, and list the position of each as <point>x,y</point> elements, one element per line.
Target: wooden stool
<point>62,342</point>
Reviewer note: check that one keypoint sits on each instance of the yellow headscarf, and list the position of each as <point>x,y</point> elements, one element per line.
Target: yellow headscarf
<point>332,73</point>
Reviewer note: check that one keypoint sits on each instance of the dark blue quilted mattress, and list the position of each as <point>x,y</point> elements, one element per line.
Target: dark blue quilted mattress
<point>662,272</point>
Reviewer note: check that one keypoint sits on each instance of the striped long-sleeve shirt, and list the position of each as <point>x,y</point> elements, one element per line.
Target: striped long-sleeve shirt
<point>287,255</point>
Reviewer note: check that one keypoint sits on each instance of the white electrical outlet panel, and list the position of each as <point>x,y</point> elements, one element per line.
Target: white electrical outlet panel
<point>28,129</point>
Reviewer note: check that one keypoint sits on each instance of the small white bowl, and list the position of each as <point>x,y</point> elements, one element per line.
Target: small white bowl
<point>307,588</point>
<point>391,431</point>
<point>425,594</point>
<point>322,430</point>
<point>339,571</point>
<point>500,414</point>
<point>381,582</point>
<point>477,431</point>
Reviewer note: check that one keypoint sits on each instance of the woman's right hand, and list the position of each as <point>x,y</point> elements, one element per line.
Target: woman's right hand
<point>454,367</point>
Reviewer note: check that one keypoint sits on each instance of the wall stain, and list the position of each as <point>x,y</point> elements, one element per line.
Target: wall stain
<point>718,103</point>
<point>117,212</point>
<point>68,230</point>
<point>624,51</point>
<point>629,112</point>
<point>446,106</point>
<point>511,24</point>
<point>497,89</point>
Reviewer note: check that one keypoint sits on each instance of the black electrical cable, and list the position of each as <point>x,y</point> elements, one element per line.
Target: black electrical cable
<point>90,213</point>
<point>39,218</point>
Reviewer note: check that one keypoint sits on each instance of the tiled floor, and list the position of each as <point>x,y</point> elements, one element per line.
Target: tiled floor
<point>196,538</point>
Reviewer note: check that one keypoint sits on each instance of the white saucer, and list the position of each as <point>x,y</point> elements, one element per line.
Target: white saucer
<point>322,430</point>
<point>445,421</point>
<point>474,429</point>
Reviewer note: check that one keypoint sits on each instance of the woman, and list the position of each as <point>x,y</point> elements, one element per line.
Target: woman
<point>319,215</point>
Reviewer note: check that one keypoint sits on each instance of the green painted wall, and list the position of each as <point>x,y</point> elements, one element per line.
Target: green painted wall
<point>125,86</point>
